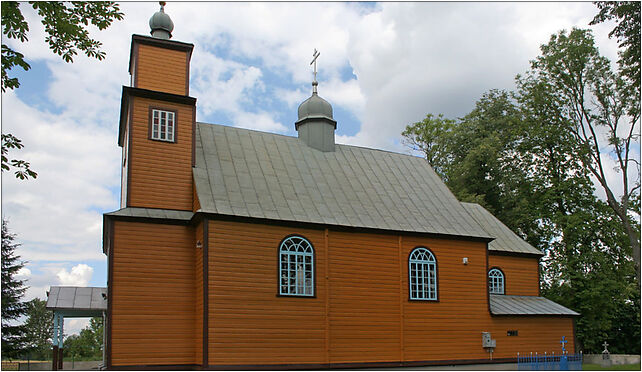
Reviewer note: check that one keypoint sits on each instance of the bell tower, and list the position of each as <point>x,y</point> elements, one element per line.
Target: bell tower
<point>157,120</point>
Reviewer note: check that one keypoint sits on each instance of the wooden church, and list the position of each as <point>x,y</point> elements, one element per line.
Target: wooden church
<point>240,249</point>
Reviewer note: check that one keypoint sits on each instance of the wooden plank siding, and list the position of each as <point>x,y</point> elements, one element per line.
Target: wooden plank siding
<point>153,290</point>
<point>198,296</point>
<point>360,313</point>
<point>196,204</point>
<point>364,297</point>
<point>535,335</point>
<point>161,69</point>
<point>521,274</point>
<point>450,328</point>
<point>161,172</point>
<point>248,322</point>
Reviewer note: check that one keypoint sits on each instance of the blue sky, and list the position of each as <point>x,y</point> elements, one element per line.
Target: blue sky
<point>382,66</point>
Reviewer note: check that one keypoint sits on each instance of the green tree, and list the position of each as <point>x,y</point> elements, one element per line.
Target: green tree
<point>88,344</point>
<point>39,329</point>
<point>430,137</point>
<point>67,32</point>
<point>571,79</point>
<point>66,27</point>
<point>13,341</point>
<point>627,32</point>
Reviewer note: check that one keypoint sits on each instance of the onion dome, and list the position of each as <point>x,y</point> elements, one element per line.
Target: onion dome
<point>160,23</point>
<point>315,107</point>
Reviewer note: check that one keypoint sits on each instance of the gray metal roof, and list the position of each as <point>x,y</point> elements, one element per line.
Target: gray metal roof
<point>526,305</point>
<point>79,299</point>
<point>242,172</point>
<point>505,239</point>
<point>167,214</point>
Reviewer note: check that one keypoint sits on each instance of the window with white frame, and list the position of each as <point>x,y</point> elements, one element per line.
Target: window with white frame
<point>422,274</point>
<point>163,125</point>
<point>495,281</point>
<point>296,267</point>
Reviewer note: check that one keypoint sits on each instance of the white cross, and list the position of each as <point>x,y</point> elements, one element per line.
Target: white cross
<point>605,344</point>
<point>316,55</point>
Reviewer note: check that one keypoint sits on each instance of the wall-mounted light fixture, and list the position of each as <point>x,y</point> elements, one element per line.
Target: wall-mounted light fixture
<point>465,261</point>
<point>199,245</point>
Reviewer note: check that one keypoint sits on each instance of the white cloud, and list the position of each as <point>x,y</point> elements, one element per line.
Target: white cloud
<point>259,121</point>
<point>23,273</point>
<point>79,276</point>
<point>58,216</point>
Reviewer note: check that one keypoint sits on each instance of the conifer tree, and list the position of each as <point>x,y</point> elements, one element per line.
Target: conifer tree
<point>13,335</point>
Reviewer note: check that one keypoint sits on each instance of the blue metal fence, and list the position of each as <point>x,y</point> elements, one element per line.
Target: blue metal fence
<point>549,362</point>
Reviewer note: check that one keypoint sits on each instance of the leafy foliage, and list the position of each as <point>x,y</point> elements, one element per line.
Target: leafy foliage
<point>430,137</point>
<point>627,33</point>
<point>67,32</point>
<point>22,168</point>
<point>39,329</point>
<point>13,340</point>
<point>572,81</point>
<point>88,344</point>
<point>66,27</point>
<point>522,156</point>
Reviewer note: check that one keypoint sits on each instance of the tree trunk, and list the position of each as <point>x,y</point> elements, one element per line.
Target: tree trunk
<point>635,245</point>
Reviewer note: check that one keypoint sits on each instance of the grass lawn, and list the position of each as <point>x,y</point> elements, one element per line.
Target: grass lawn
<point>623,367</point>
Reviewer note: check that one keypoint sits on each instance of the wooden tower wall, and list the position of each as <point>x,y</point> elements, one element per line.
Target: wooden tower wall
<point>156,173</point>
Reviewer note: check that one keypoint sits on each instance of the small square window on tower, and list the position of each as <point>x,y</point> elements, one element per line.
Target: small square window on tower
<point>163,125</point>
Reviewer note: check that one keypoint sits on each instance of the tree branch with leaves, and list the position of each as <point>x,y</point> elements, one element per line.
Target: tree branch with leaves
<point>67,32</point>
<point>600,111</point>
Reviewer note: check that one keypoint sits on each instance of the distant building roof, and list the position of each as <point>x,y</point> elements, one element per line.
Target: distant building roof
<point>526,305</point>
<point>505,239</point>
<point>78,301</point>
<point>248,173</point>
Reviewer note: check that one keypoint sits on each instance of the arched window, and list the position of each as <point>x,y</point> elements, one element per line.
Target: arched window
<point>495,281</point>
<point>422,274</point>
<point>296,267</point>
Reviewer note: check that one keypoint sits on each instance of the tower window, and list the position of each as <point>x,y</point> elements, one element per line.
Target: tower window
<point>163,125</point>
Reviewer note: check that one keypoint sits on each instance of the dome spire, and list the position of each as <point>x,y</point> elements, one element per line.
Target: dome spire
<point>160,23</point>
<point>315,83</point>
<point>315,125</point>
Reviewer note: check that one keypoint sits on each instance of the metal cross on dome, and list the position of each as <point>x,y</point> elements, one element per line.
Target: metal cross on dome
<point>316,55</point>
<point>563,341</point>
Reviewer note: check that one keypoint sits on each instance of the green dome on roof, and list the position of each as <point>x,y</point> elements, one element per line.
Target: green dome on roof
<point>161,25</point>
<point>315,106</point>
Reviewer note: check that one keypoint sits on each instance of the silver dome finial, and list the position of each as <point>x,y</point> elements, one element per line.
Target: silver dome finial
<point>160,23</point>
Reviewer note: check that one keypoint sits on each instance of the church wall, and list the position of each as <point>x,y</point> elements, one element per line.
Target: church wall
<point>450,328</point>
<point>198,294</point>
<point>364,317</point>
<point>369,319</point>
<point>153,289</point>
<point>248,322</point>
<point>162,69</point>
<point>535,334</point>
<point>161,172</point>
<point>521,274</point>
